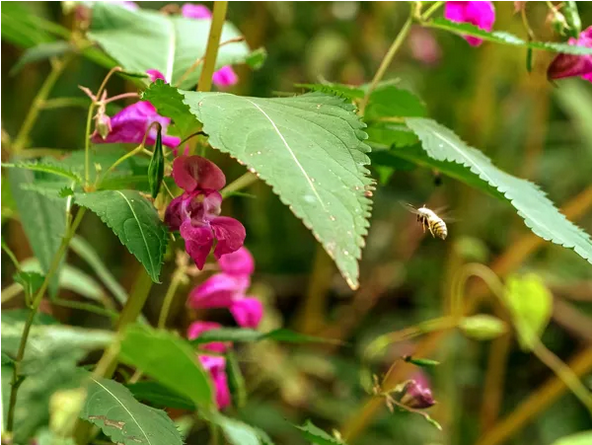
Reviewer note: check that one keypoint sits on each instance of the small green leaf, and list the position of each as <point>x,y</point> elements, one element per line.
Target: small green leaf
<point>135,221</point>
<point>140,40</point>
<point>43,51</point>
<point>46,168</point>
<point>583,438</point>
<point>257,58</point>
<point>156,167</point>
<point>422,362</point>
<point>482,327</point>
<point>236,381</point>
<point>572,18</point>
<point>31,282</point>
<point>111,406</point>
<point>170,360</point>
<point>160,396</point>
<point>538,212</point>
<point>506,38</point>
<point>530,304</point>
<point>317,436</point>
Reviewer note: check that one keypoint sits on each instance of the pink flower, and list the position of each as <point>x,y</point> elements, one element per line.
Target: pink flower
<point>225,76</point>
<point>198,327</point>
<point>417,393</point>
<point>247,312</point>
<point>195,214</point>
<point>220,290</point>
<point>130,124</point>
<point>155,74</point>
<point>216,367</point>
<point>424,46</point>
<point>479,13</point>
<point>239,263</point>
<point>570,65</point>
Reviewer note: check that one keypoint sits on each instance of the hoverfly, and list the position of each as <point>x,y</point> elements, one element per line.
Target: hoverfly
<point>430,220</point>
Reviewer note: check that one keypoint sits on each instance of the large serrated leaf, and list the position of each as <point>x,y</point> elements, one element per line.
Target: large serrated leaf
<point>316,435</point>
<point>141,40</point>
<point>43,220</point>
<point>46,168</point>
<point>310,149</point>
<point>170,360</point>
<point>506,38</point>
<point>111,406</point>
<point>538,212</point>
<point>135,221</point>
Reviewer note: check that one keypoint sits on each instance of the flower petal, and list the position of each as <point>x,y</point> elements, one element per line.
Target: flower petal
<point>193,172</point>
<point>240,262</point>
<point>198,327</point>
<point>230,234</point>
<point>173,216</point>
<point>225,77</point>
<point>155,74</point>
<point>569,65</point>
<point>195,11</point>
<point>220,290</point>
<point>216,367</point>
<point>198,241</point>
<point>478,13</point>
<point>247,312</point>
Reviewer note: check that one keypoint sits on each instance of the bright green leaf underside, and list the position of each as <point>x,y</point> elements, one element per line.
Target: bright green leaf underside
<point>141,40</point>
<point>308,148</point>
<point>135,221</point>
<point>538,212</point>
<point>506,38</point>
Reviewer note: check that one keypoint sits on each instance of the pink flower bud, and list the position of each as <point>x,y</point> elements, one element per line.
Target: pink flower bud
<point>417,394</point>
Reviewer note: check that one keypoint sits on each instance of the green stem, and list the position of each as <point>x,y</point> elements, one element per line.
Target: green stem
<point>205,79</point>
<point>386,61</point>
<point>426,15</point>
<point>238,184</point>
<point>128,155</point>
<point>57,69</point>
<point>11,255</point>
<point>16,377</point>
<point>86,307</point>
<point>169,297</point>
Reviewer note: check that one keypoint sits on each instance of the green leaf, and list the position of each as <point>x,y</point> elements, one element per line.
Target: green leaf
<point>160,396</point>
<point>236,381</point>
<point>583,438</point>
<point>111,406</point>
<point>141,40</point>
<point>135,221</point>
<point>530,303</point>
<point>506,38</point>
<point>310,150</point>
<point>422,362</point>
<point>46,437</point>
<point>251,335</point>
<point>47,168</point>
<point>170,360</point>
<point>43,220</point>
<point>156,167</point>
<point>256,58</point>
<point>25,29</point>
<point>31,282</point>
<point>235,431</point>
<point>482,327</point>
<point>316,435</point>
<point>538,212</point>
<point>572,18</point>
<point>43,51</point>
<point>84,250</point>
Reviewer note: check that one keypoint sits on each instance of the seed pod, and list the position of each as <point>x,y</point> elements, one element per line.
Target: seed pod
<point>156,167</point>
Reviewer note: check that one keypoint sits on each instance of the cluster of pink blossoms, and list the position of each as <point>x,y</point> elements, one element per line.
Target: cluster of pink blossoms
<point>226,289</point>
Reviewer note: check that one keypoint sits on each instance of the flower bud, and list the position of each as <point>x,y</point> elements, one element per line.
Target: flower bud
<point>417,396</point>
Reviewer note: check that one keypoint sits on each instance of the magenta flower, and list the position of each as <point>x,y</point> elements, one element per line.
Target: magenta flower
<point>155,74</point>
<point>198,327</point>
<point>239,263</point>
<point>130,124</point>
<point>479,13</point>
<point>417,393</point>
<point>225,76</point>
<point>247,312</point>
<point>216,367</point>
<point>195,214</point>
<point>570,65</point>
<point>220,290</point>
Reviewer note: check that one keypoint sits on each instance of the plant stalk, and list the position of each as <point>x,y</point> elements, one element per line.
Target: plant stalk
<point>238,184</point>
<point>205,78</point>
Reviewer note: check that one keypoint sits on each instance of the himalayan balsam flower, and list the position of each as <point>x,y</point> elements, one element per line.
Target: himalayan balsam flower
<point>570,65</point>
<point>195,214</point>
<point>225,76</point>
<point>479,13</point>
<point>198,327</point>
<point>216,367</point>
<point>228,290</point>
<point>418,394</point>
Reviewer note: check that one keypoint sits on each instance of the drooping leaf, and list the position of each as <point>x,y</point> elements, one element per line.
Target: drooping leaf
<point>112,407</point>
<point>583,438</point>
<point>530,303</point>
<point>156,167</point>
<point>47,168</point>
<point>316,435</point>
<point>538,212</point>
<point>43,220</point>
<point>135,222</point>
<point>85,251</point>
<point>506,38</point>
<point>160,396</point>
<point>141,40</point>
<point>482,327</point>
<point>170,360</point>
<point>40,52</point>
<point>310,150</point>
